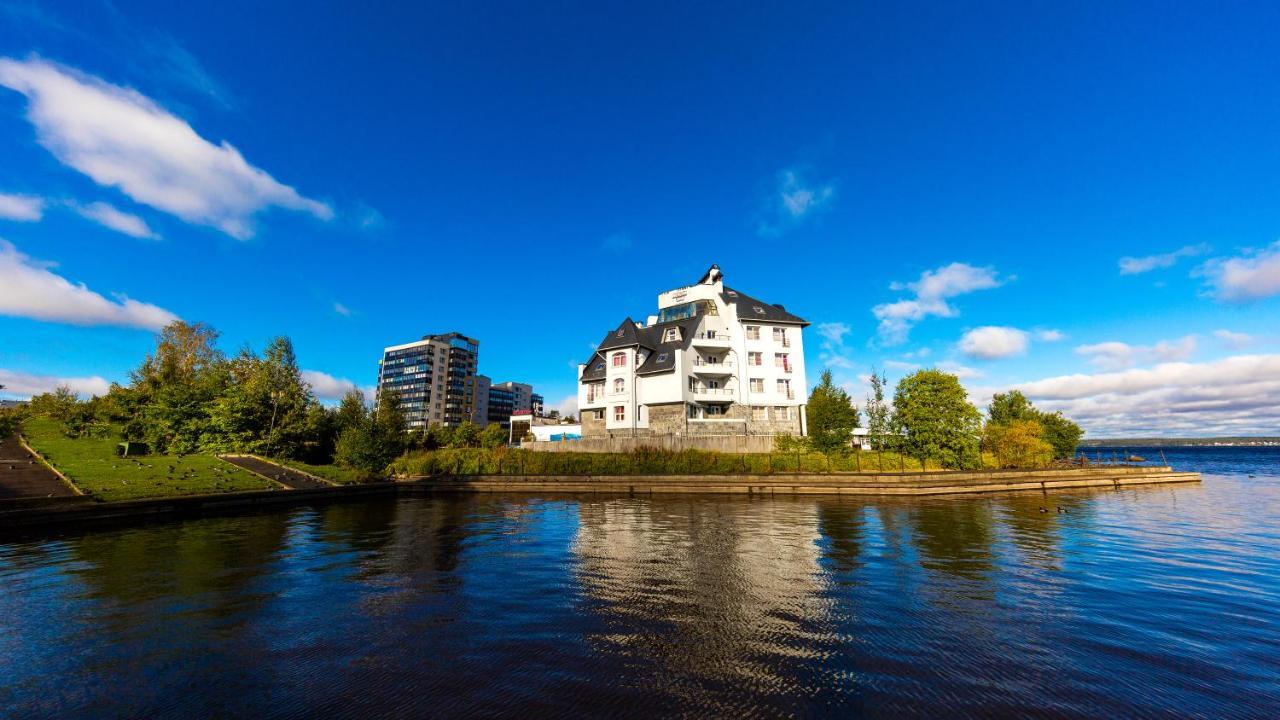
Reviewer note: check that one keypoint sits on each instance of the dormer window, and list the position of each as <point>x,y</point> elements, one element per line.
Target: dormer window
<point>620,332</point>
<point>757,309</point>
<point>671,335</point>
<point>662,357</point>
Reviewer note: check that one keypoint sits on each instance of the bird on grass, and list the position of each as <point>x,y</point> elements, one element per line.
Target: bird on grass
<point>1043,510</point>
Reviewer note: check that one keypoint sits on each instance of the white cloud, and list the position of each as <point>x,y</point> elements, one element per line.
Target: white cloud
<point>794,199</point>
<point>23,208</point>
<point>118,220</point>
<point>568,405</point>
<point>1136,265</point>
<point>24,385</point>
<point>1250,276</point>
<point>1050,335</point>
<point>30,290</point>
<point>1233,396</point>
<point>328,387</point>
<point>961,371</point>
<point>993,342</point>
<point>1234,340</point>
<point>931,291</point>
<point>342,310</point>
<point>1114,355</point>
<point>122,139</point>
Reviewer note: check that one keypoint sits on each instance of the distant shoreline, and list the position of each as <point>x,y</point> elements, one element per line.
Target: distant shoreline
<point>1183,442</point>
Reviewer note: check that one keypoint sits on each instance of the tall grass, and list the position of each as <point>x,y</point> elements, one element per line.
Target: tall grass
<point>643,461</point>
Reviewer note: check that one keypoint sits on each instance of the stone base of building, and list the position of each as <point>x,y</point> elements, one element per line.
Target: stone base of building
<point>672,420</point>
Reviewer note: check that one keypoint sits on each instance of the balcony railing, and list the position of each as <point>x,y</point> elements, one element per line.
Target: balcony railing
<point>711,337</point>
<point>713,392</point>
<point>699,361</point>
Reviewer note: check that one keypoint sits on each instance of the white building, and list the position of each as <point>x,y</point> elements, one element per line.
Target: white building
<point>712,361</point>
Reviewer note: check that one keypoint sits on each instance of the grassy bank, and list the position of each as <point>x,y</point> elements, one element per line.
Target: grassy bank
<point>332,473</point>
<point>506,461</point>
<point>91,464</point>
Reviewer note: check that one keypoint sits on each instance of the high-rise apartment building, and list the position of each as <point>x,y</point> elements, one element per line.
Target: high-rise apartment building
<point>435,378</point>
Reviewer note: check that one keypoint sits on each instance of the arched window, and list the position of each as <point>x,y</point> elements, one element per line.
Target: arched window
<point>619,359</point>
<point>619,385</point>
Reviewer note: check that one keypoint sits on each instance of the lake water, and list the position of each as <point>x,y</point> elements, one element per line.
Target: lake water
<point>1160,602</point>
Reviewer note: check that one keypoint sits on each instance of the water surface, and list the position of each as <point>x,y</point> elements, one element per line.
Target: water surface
<point>1160,601</point>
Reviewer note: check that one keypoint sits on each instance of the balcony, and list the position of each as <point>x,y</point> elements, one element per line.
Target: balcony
<point>711,338</point>
<point>703,366</point>
<point>713,394</point>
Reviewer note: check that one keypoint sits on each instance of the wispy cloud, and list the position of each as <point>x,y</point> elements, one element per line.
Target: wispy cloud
<point>1050,335</point>
<point>122,222</point>
<point>930,295</point>
<point>23,385</point>
<point>1147,263</point>
<point>1252,275</point>
<point>1234,340</point>
<point>122,139</point>
<point>23,208</point>
<point>1115,355</point>
<point>31,290</point>
<point>342,310</point>
<point>833,353</point>
<point>794,199</point>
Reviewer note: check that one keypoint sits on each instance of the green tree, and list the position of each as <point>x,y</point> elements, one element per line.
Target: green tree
<point>1062,434</point>
<point>493,436</point>
<point>1008,407</point>
<point>59,404</point>
<point>832,416</point>
<point>933,418</point>
<point>175,387</point>
<point>376,439</point>
<point>1017,443</point>
<point>877,412</point>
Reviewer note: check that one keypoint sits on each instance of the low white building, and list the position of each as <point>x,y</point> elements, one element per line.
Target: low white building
<point>712,361</point>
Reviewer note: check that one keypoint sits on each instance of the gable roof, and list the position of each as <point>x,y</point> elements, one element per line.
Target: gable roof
<point>662,354</point>
<point>767,314</point>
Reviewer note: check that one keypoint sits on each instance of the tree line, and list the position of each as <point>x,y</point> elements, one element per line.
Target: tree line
<point>187,397</point>
<point>931,418</point>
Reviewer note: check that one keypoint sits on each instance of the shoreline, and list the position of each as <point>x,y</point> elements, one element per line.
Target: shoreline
<point>84,512</point>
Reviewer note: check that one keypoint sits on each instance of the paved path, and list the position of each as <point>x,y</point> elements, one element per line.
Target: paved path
<point>286,476</point>
<point>23,476</point>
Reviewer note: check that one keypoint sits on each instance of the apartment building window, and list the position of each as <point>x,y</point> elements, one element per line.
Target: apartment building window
<point>759,413</point>
<point>755,358</point>
<point>757,385</point>
<point>753,332</point>
<point>780,335</point>
<point>619,359</point>
<point>671,335</point>
<point>619,385</point>
<point>782,360</point>
<point>715,410</point>
<point>784,388</point>
<point>619,413</point>
<point>782,412</point>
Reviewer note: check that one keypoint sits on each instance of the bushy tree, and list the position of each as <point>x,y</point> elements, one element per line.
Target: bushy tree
<point>58,404</point>
<point>832,416</point>
<point>376,439</point>
<point>493,436</point>
<point>1017,443</point>
<point>877,412</point>
<point>933,418</point>
<point>1060,433</point>
<point>176,386</point>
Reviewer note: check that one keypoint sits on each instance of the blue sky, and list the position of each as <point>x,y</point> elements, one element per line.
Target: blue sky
<point>1077,201</point>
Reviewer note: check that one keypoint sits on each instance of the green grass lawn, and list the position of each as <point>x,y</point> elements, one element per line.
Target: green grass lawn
<point>93,466</point>
<point>332,473</point>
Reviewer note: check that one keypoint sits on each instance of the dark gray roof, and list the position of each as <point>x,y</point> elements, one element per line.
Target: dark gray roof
<point>766,314</point>
<point>662,355</point>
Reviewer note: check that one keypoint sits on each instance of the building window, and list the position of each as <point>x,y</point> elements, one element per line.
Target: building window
<point>757,385</point>
<point>782,412</point>
<point>715,410</point>
<point>781,360</point>
<point>753,332</point>
<point>619,413</point>
<point>619,385</point>
<point>779,334</point>
<point>784,388</point>
<point>619,359</point>
<point>755,358</point>
<point>759,413</point>
<point>671,335</point>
